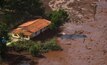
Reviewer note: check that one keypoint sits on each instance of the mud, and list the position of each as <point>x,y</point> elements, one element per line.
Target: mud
<point>79,10</point>
<point>92,50</point>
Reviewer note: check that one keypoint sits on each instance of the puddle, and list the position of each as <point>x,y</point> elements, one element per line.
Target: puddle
<point>73,36</point>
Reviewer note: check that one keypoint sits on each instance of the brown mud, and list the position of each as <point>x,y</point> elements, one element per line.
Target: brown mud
<point>92,50</point>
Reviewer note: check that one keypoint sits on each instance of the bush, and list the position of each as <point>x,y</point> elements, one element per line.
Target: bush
<point>22,45</point>
<point>57,18</point>
<point>33,47</point>
<point>51,46</point>
<point>35,50</point>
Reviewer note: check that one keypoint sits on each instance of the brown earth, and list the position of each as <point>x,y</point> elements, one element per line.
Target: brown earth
<point>92,50</point>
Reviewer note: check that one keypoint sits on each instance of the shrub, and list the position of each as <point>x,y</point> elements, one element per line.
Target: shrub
<point>22,45</point>
<point>51,46</point>
<point>57,18</point>
<point>35,50</point>
<point>33,47</point>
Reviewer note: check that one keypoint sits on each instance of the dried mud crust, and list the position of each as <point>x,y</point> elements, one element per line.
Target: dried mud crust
<point>79,10</point>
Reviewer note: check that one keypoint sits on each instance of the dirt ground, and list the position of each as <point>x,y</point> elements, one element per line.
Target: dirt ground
<point>89,51</point>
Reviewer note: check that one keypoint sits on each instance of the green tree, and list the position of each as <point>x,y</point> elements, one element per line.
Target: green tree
<point>3,30</point>
<point>57,18</point>
<point>1,3</point>
<point>31,7</point>
<point>20,10</point>
<point>3,36</point>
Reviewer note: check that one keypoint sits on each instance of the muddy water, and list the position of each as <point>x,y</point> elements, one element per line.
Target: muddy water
<point>93,51</point>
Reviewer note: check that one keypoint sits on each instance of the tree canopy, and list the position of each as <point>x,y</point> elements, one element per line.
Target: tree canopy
<point>57,18</point>
<point>3,30</point>
<point>31,7</point>
<point>16,12</point>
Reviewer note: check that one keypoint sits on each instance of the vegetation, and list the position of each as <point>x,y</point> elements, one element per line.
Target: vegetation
<point>57,18</point>
<point>2,50</point>
<point>3,30</point>
<point>30,46</point>
<point>30,7</point>
<point>22,45</point>
<point>51,45</point>
<point>3,36</point>
<point>36,48</point>
<point>17,11</point>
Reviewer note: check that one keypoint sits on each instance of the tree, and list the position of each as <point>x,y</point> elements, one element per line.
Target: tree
<point>57,18</point>
<point>1,3</point>
<point>21,10</point>
<point>3,36</point>
<point>2,48</point>
<point>3,30</point>
<point>31,7</point>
